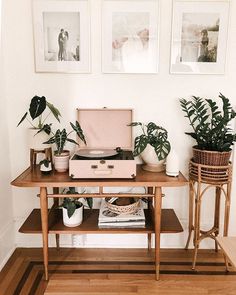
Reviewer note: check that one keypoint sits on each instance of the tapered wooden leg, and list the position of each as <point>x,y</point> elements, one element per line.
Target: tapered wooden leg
<point>150,199</point>
<point>196,239</point>
<point>217,215</point>
<point>157,213</point>
<point>227,209</point>
<point>56,204</point>
<point>44,221</point>
<point>191,204</point>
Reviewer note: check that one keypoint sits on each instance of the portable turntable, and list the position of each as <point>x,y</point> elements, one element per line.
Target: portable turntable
<point>109,143</point>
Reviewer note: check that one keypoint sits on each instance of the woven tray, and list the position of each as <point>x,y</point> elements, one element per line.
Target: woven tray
<point>127,209</point>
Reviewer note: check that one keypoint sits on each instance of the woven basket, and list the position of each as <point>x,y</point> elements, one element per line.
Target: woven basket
<point>211,158</point>
<point>127,209</point>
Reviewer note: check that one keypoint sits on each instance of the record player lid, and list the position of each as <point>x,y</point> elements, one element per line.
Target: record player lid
<point>106,128</point>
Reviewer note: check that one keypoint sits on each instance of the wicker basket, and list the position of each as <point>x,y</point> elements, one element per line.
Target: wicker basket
<point>211,158</point>
<point>127,209</point>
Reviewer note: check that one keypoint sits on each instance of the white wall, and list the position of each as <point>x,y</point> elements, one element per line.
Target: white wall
<point>153,98</point>
<point>7,244</point>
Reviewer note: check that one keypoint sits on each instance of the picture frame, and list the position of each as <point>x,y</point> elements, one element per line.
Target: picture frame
<point>199,36</point>
<point>61,36</point>
<point>130,36</point>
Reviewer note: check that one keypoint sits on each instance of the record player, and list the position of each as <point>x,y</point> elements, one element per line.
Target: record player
<point>109,143</point>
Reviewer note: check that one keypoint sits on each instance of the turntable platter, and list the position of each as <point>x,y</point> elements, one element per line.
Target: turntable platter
<point>96,153</point>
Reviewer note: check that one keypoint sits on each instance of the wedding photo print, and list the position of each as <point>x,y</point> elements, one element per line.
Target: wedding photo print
<point>61,36</point>
<point>130,36</point>
<point>199,37</point>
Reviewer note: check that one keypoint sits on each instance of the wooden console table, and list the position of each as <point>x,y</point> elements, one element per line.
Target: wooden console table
<point>44,221</point>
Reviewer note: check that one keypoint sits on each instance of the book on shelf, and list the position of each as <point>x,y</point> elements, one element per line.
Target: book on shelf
<point>109,219</point>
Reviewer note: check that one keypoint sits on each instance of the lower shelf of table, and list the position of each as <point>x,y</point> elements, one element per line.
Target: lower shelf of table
<point>32,225</point>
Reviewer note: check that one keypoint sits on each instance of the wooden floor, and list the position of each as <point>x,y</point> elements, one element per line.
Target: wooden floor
<point>116,271</point>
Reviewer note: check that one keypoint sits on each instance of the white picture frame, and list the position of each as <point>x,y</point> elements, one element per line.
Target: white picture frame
<point>130,36</point>
<point>199,36</point>
<point>61,36</point>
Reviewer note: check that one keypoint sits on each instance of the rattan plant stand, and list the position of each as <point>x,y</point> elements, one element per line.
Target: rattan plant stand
<point>201,179</point>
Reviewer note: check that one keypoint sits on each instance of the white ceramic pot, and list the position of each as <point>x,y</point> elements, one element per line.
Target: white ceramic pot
<point>75,220</point>
<point>36,140</point>
<point>46,170</point>
<point>151,161</point>
<point>61,162</point>
<point>172,164</point>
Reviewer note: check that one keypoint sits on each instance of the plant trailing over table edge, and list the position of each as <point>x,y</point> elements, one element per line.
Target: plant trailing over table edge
<point>154,135</point>
<point>210,124</point>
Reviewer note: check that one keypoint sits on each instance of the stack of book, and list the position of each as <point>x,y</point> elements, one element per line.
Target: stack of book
<point>108,219</point>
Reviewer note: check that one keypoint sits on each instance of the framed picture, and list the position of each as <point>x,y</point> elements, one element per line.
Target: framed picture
<point>62,36</point>
<point>199,37</point>
<point>130,36</point>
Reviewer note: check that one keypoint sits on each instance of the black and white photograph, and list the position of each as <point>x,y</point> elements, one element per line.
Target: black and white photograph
<point>62,36</point>
<point>199,37</point>
<point>130,36</point>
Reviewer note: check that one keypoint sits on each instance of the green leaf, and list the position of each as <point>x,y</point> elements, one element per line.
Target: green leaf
<point>71,207</point>
<point>51,140</point>
<point>162,149</point>
<point>54,110</point>
<point>89,202</point>
<point>72,141</point>
<point>133,124</point>
<point>77,128</point>
<point>140,144</point>
<point>60,140</point>
<point>46,128</point>
<point>37,106</point>
<point>22,119</point>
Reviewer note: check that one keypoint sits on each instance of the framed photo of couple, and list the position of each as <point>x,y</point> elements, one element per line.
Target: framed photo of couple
<point>130,39</point>
<point>61,36</point>
<point>199,36</point>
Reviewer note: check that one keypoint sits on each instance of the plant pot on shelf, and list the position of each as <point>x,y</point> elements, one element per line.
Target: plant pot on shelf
<point>211,158</point>
<point>61,162</point>
<point>75,220</point>
<point>36,140</point>
<point>151,161</point>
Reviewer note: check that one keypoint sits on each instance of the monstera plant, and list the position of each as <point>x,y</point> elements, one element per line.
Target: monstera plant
<point>60,138</point>
<point>152,145</point>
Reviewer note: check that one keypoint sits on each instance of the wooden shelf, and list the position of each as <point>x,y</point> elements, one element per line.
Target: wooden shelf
<point>32,225</point>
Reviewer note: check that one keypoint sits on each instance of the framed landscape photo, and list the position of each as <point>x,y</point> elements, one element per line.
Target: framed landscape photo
<point>199,36</point>
<point>62,36</point>
<point>130,36</point>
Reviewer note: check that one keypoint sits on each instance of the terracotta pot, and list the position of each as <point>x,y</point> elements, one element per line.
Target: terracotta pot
<point>75,220</point>
<point>211,158</point>
<point>61,162</point>
<point>151,161</point>
<point>36,140</point>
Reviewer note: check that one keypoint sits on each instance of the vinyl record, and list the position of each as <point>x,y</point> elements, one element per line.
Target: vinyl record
<point>96,153</point>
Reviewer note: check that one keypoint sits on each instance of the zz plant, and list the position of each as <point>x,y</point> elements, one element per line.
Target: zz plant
<point>154,135</point>
<point>38,106</point>
<point>210,123</point>
<point>61,137</point>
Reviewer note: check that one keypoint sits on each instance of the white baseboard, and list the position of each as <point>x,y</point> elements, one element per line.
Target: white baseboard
<point>7,243</point>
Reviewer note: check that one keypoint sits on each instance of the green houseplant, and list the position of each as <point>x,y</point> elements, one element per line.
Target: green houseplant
<point>152,145</point>
<point>211,130</point>
<point>39,112</point>
<point>73,208</point>
<point>60,138</point>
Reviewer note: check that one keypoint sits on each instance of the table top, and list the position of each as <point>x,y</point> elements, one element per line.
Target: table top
<point>35,178</point>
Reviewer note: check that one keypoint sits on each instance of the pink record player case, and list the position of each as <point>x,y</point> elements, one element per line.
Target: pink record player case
<point>108,153</point>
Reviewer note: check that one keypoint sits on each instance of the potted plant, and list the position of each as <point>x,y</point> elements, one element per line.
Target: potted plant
<point>211,129</point>
<point>72,209</point>
<point>152,145</point>
<point>40,130</point>
<point>60,138</point>
<point>45,166</point>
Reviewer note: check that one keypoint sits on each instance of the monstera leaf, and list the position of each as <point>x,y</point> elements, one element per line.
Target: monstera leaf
<point>140,144</point>
<point>37,106</point>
